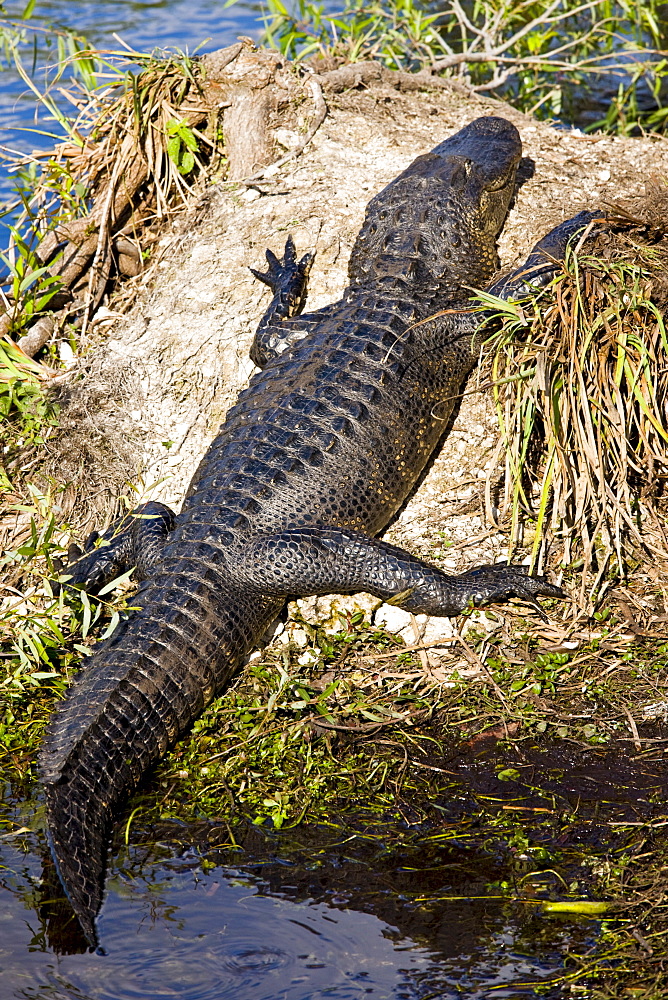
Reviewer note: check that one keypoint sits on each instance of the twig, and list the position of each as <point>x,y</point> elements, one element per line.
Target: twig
<point>634,729</point>
<point>482,49</point>
<point>474,658</point>
<point>400,650</point>
<point>101,244</point>
<point>421,653</point>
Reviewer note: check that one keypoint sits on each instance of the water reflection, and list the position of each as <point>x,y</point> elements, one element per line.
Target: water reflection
<point>147,24</point>
<point>315,917</point>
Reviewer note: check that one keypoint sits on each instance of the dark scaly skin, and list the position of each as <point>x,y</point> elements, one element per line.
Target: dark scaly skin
<point>317,455</point>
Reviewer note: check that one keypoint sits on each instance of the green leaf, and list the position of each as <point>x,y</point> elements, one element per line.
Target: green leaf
<point>188,138</point>
<point>87,614</point>
<point>173,149</point>
<point>187,162</point>
<point>509,774</point>
<point>116,582</point>
<point>585,906</point>
<point>31,278</point>
<point>115,618</point>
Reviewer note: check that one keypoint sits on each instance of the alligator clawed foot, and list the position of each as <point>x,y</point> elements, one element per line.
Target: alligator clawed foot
<point>286,277</point>
<point>501,581</point>
<point>87,570</point>
<point>134,540</point>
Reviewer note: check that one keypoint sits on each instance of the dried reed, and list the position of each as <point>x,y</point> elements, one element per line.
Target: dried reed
<point>581,390</point>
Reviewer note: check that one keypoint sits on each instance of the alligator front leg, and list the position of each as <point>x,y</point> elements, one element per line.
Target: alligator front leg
<point>136,540</point>
<point>545,258</point>
<point>325,560</point>
<point>288,280</point>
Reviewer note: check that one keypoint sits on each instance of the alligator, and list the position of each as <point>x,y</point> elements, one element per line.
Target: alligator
<point>315,458</point>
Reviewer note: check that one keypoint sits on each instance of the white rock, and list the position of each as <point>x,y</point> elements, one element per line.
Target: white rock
<point>286,137</point>
<point>65,353</point>
<point>414,630</point>
<point>296,635</point>
<point>393,619</point>
<point>329,611</point>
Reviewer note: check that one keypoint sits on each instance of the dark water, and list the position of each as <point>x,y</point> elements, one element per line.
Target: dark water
<point>336,917</point>
<point>407,910</point>
<point>268,928</point>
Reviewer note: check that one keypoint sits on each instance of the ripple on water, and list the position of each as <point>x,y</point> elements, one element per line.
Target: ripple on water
<point>221,938</point>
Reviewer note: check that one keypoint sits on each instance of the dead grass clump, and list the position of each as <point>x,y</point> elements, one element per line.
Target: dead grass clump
<point>582,401</point>
<point>131,155</point>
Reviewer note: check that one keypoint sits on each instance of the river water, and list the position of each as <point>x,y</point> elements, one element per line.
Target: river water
<point>142,24</point>
<point>444,903</point>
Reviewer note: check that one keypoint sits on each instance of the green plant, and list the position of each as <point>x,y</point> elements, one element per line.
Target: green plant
<point>32,285</point>
<point>23,399</point>
<point>43,636</point>
<point>625,115</point>
<point>536,53</point>
<point>181,145</point>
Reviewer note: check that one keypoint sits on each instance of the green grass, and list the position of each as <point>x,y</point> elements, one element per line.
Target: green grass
<point>536,55</point>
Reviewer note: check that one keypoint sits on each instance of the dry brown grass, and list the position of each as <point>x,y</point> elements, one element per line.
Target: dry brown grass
<point>99,199</point>
<point>581,389</point>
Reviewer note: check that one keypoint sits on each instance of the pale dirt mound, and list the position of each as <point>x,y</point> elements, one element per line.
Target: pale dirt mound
<point>144,403</point>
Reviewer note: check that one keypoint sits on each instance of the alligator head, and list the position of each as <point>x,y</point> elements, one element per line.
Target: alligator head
<point>438,220</point>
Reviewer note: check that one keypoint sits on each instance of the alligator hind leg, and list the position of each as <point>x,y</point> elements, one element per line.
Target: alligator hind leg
<point>136,540</point>
<point>288,280</point>
<point>330,560</point>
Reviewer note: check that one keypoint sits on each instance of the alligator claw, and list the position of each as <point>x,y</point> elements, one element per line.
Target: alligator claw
<point>74,552</point>
<point>502,580</point>
<point>89,544</point>
<point>286,275</point>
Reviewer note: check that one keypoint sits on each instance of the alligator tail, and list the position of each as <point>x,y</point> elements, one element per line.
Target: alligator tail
<point>137,693</point>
